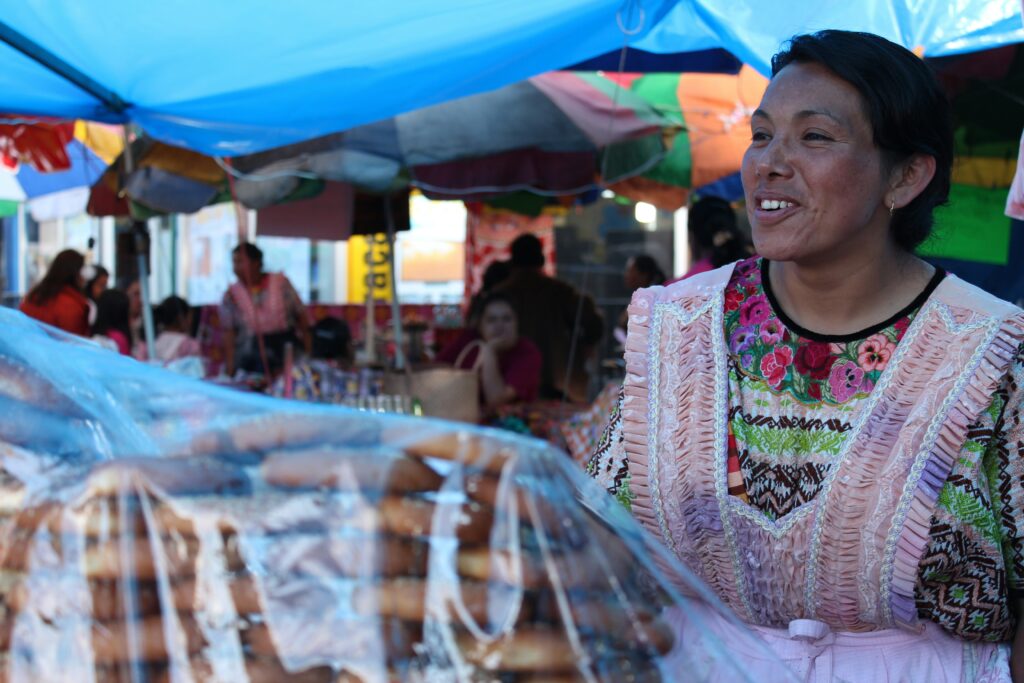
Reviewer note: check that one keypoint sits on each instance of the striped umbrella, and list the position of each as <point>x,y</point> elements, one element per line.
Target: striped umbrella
<point>557,133</point>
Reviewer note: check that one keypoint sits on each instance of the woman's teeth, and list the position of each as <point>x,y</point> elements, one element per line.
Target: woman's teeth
<point>773,204</point>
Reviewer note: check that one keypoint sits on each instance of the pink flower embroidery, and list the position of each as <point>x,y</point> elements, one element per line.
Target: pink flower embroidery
<point>845,380</point>
<point>771,332</point>
<point>754,311</point>
<point>775,364</point>
<point>874,352</point>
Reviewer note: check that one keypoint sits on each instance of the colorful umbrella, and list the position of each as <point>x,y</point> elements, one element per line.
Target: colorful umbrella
<point>558,133</point>
<point>714,110</point>
<point>53,182</point>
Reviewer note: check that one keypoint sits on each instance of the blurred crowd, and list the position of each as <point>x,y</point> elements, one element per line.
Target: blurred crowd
<point>527,336</point>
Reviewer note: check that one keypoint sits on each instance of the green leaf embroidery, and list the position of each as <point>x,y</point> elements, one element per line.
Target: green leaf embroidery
<point>624,494</point>
<point>969,510</point>
<point>774,441</point>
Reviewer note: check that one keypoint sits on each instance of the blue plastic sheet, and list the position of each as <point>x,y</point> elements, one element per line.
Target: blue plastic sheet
<point>157,528</point>
<point>754,30</point>
<point>232,78</point>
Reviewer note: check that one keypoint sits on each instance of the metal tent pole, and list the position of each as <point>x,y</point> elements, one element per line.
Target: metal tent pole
<point>396,309</point>
<point>141,248</point>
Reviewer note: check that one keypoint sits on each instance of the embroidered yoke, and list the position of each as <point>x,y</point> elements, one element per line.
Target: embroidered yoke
<point>841,538</point>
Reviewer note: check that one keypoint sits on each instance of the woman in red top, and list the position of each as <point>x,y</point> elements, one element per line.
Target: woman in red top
<point>58,299</point>
<point>509,365</point>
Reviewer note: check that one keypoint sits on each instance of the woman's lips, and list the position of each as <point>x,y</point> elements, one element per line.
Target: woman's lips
<point>773,216</point>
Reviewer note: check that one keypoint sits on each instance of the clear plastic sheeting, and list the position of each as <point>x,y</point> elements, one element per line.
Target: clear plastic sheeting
<point>156,528</point>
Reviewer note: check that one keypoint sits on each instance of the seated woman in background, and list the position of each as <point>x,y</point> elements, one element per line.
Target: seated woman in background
<point>508,365</point>
<point>174,341</point>
<point>58,300</point>
<point>111,328</point>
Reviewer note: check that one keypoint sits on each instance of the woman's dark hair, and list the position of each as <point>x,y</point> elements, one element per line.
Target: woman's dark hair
<point>112,313</point>
<point>527,252</point>
<point>98,272</point>
<point>495,273</point>
<point>648,266</point>
<point>907,107</point>
<point>64,271</point>
<point>252,252</point>
<point>332,339</point>
<point>711,224</point>
<point>170,311</point>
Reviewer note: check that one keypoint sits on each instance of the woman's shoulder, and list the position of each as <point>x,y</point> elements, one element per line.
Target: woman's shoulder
<point>526,347</point>
<point>71,298</point>
<point>702,285</point>
<point>959,293</point>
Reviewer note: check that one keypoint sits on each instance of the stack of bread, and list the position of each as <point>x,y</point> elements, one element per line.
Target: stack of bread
<point>326,548</point>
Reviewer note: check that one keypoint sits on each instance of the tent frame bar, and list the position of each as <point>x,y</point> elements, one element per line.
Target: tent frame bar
<point>52,62</point>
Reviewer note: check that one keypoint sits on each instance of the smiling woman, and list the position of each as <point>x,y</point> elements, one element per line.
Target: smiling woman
<point>830,434</point>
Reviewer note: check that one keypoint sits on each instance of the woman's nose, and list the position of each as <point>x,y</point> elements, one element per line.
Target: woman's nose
<point>773,159</point>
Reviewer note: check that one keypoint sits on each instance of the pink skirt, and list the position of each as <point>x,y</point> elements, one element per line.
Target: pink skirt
<point>713,648</point>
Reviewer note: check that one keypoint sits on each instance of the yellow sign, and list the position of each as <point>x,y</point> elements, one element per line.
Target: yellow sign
<point>368,268</point>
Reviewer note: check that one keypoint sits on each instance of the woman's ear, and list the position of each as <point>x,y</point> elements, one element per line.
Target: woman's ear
<point>909,178</point>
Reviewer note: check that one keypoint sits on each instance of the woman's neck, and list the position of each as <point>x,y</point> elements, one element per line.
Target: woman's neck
<point>845,296</point>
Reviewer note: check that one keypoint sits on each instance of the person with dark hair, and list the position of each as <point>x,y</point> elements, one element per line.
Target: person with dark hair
<point>96,280</point>
<point>830,435</point>
<point>332,341</point>
<point>96,284</point>
<point>713,236</point>
<point>261,313</point>
<point>552,314</point>
<point>508,364</point>
<point>174,340</point>
<point>58,299</point>
<point>495,273</point>
<point>112,321</point>
<point>642,271</point>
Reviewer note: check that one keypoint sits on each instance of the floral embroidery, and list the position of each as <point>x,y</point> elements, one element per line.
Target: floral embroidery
<point>755,311</point>
<point>833,372</point>
<point>874,352</point>
<point>845,381</point>
<point>771,332</point>
<point>733,299</point>
<point>742,339</point>
<point>775,365</point>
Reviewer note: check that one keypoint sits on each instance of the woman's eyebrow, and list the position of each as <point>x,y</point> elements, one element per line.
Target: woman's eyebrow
<point>802,114</point>
<point>808,113</point>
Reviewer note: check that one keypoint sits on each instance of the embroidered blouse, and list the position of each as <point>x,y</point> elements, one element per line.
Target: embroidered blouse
<point>792,395</point>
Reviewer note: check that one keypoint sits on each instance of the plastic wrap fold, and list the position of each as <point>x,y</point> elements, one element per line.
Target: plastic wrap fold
<point>156,528</point>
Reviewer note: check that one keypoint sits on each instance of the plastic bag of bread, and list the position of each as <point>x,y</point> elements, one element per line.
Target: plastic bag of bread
<point>230,537</point>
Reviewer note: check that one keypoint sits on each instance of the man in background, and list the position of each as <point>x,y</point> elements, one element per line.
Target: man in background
<point>550,312</point>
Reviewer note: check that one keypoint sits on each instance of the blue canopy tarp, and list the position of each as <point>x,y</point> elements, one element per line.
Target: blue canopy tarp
<point>231,78</point>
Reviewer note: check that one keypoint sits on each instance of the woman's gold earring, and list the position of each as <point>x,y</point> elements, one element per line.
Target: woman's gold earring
<point>892,207</point>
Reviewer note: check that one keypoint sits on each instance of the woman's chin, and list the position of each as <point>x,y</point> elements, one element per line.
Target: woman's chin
<point>780,250</point>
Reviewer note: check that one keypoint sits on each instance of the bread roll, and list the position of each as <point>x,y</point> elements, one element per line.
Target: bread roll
<point>406,599</point>
<point>363,471</point>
